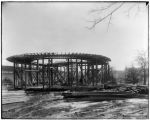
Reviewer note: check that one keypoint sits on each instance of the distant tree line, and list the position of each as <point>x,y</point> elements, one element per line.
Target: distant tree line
<point>135,75</point>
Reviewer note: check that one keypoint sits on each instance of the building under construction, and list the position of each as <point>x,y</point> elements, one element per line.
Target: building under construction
<point>49,70</point>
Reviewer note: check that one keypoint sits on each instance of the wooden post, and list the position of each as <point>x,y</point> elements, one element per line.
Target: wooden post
<point>104,80</point>
<point>85,74</point>
<point>49,79</point>
<point>71,82</point>
<point>96,73</point>
<point>77,81</point>
<point>43,73</point>
<point>14,75</point>
<point>108,72</point>
<point>68,71</point>
<point>106,69</point>
<point>64,74</point>
<point>56,73</point>
<point>37,73</point>
<point>88,71</point>
<point>93,74</point>
<point>101,74</point>
<point>30,73</point>
<point>15,71</point>
<point>21,75</point>
<point>81,73</point>
<point>25,77</point>
<point>51,71</point>
<point>105,73</point>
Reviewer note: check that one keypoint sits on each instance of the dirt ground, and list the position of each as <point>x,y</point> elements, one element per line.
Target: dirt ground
<point>54,106</point>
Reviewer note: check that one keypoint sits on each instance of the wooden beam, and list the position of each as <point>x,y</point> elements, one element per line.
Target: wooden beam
<point>37,74</point>
<point>108,71</point>
<point>93,74</point>
<point>25,77</point>
<point>64,73</point>
<point>96,73</point>
<point>30,73</point>
<point>88,72</point>
<point>85,74</point>
<point>49,79</point>
<point>103,75</point>
<point>31,70</point>
<point>43,81</point>
<point>71,80</point>
<point>81,72</point>
<point>51,71</point>
<point>68,72</point>
<point>77,81</point>
<point>14,75</point>
<point>21,75</point>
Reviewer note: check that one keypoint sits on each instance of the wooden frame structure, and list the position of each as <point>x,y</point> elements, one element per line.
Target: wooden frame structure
<point>47,70</point>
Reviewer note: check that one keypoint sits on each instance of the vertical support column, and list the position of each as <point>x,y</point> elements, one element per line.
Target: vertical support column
<point>93,74</point>
<point>56,73</point>
<point>30,73</point>
<point>96,73</point>
<point>102,74</point>
<point>71,82</point>
<point>88,72</point>
<point>105,73</point>
<point>108,71</point>
<point>43,73</point>
<point>68,71</point>
<point>18,72</point>
<point>49,79</point>
<point>64,73</point>
<point>21,75</point>
<point>81,80</point>
<point>85,74</point>
<point>14,75</point>
<point>37,73</point>
<point>25,76</point>
<point>51,71</point>
<point>108,77</point>
<point>77,81</point>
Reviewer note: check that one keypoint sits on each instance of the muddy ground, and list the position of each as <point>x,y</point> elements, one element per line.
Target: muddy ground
<point>53,105</point>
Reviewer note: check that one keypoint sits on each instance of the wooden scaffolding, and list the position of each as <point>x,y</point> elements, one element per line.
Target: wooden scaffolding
<point>43,70</point>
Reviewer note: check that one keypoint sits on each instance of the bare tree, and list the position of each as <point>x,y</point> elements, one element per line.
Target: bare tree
<point>107,11</point>
<point>132,75</point>
<point>142,60</point>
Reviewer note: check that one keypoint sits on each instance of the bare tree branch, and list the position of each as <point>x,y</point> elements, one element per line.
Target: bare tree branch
<point>95,22</point>
<point>109,22</point>
<point>102,9</point>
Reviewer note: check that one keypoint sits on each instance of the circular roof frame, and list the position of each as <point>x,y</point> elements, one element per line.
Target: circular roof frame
<point>29,57</point>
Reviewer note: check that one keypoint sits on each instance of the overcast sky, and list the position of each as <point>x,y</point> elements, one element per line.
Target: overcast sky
<point>61,27</point>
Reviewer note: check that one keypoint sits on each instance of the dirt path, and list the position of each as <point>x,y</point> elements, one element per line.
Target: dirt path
<point>50,106</point>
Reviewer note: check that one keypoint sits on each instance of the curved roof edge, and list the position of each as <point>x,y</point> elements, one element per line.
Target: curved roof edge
<point>29,57</point>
